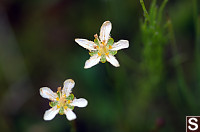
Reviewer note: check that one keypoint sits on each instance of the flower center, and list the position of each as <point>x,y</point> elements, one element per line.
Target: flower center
<point>62,101</point>
<point>103,49</point>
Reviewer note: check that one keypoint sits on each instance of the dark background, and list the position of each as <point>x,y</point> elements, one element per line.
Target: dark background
<point>155,87</point>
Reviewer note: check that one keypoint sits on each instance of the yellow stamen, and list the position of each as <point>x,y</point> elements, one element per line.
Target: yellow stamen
<point>57,99</point>
<point>68,101</point>
<point>110,47</point>
<point>107,53</point>
<point>64,95</point>
<point>65,107</point>
<point>99,54</point>
<point>58,106</point>
<point>59,89</point>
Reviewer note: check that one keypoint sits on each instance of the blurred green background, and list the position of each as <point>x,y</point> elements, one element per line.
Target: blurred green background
<point>155,87</point>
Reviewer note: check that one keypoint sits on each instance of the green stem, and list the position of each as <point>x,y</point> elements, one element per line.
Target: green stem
<point>111,74</point>
<point>179,72</point>
<point>197,39</point>
<point>161,10</point>
<point>73,126</point>
<point>195,12</point>
<point>146,15</point>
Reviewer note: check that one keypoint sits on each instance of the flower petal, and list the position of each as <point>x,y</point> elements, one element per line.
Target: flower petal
<point>68,85</point>
<point>70,114</point>
<point>112,60</point>
<point>51,113</point>
<point>81,102</point>
<point>122,44</point>
<point>92,61</point>
<point>46,92</point>
<point>86,44</point>
<point>105,31</point>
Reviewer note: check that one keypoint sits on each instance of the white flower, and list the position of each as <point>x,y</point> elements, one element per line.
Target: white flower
<point>103,48</point>
<point>63,101</point>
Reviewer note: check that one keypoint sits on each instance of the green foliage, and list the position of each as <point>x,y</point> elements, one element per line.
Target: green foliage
<point>154,38</point>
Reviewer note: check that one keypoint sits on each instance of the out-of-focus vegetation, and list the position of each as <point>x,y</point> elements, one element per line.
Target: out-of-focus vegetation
<point>155,87</point>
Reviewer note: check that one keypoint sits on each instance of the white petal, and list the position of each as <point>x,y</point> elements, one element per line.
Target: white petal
<point>46,92</point>
<point>51,113</point>
<point>112,60</point>
<point>122,44</point>
<point>92,61</point>
<point>105,31</point>
<point>79,102</point>
<point>68,85</point>
<point>86,44</point>
<point>70,114</point>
